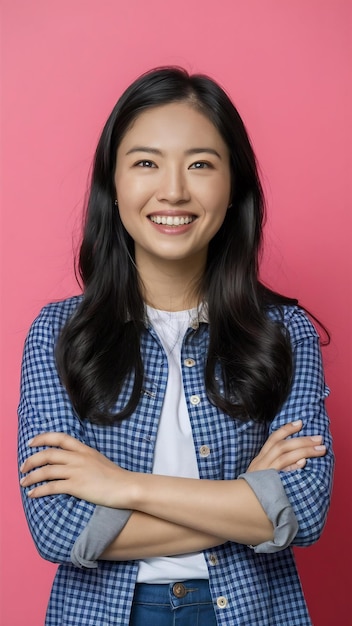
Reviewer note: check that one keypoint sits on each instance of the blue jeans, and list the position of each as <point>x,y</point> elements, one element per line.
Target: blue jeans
<point>186,603</point>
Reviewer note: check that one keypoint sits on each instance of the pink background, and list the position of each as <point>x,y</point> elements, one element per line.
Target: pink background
<point>286,65</point>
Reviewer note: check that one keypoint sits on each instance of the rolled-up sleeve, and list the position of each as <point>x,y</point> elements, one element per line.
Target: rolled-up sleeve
<point>103,527</point>
<point>270,492</point>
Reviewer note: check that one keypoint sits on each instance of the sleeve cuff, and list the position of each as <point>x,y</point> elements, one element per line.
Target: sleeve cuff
<point>271,494</point>
<point>102,528</point>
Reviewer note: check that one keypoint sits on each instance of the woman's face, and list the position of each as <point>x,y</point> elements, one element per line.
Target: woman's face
<point>173,183</point>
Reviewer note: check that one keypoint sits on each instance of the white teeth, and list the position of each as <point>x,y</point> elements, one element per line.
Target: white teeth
<point>172,221</point>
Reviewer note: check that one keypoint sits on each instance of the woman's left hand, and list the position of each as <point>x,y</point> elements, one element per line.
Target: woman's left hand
<point>281,451</point>
<point>70,467</point>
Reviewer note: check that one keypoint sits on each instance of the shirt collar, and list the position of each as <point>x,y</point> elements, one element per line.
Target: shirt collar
<point>197,316</point>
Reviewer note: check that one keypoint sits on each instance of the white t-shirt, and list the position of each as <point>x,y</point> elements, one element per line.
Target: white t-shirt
<point>174,450</point>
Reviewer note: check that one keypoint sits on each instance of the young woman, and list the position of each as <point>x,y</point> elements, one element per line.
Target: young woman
<point>173,440</point>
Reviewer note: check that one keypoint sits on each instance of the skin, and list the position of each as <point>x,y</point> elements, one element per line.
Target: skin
<point>172,162</point>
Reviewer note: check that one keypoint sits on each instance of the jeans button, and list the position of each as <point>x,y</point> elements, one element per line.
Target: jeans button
<point>179,590</point>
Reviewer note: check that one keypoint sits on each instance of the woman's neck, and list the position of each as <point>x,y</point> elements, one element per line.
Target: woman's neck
<point>170,286</point>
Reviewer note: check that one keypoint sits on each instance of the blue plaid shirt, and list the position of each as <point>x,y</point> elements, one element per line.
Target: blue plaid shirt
<point>260,589</point>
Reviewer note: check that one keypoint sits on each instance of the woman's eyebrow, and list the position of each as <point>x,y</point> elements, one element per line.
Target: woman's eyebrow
<point>203,150</point>
<point>191,151</point>
<point>144,149</point>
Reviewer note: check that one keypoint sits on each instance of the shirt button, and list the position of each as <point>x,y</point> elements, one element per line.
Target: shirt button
<point>195,400</point>
<point>222,602</point>
<point>204,451</point>
<point>189,362</point>
<point>213,559</point>
<point>195,324</point>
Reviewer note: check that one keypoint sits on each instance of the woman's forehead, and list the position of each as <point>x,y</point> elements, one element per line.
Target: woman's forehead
<point>174,124</point>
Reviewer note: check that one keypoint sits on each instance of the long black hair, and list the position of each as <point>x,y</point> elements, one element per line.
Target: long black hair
<point>99,347</point>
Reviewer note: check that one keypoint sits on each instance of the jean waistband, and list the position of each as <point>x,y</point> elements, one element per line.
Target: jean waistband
<point>193,591</point>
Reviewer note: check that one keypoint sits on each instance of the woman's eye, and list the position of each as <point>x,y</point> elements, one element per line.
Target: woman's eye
<point>145,163</point>
<point>200,165</point>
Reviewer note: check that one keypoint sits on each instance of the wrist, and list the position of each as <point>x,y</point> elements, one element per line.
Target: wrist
<point>129,495</point>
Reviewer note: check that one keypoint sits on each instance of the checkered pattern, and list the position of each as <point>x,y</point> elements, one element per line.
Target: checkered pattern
<point>261,589</point>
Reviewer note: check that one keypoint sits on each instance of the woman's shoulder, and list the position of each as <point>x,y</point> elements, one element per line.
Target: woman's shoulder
<point>61,308</point>
<point>54,316</point>
<point>295,319</point>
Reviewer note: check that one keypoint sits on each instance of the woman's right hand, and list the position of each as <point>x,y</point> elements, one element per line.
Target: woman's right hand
<point>281,451</point>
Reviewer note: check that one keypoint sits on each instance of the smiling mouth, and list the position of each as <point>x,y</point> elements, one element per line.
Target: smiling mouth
<point>168,220</point>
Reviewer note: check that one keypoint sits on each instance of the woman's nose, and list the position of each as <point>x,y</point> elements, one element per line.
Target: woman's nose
<point>173,187</point>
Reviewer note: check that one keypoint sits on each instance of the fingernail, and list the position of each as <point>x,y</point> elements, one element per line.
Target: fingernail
<point>317,438</point>
<point>29,442</point>
<point>21,468</point>
<point>297,422</point>
<point>319,448</point>
<point>29,493</point>
<point>301,462</point>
